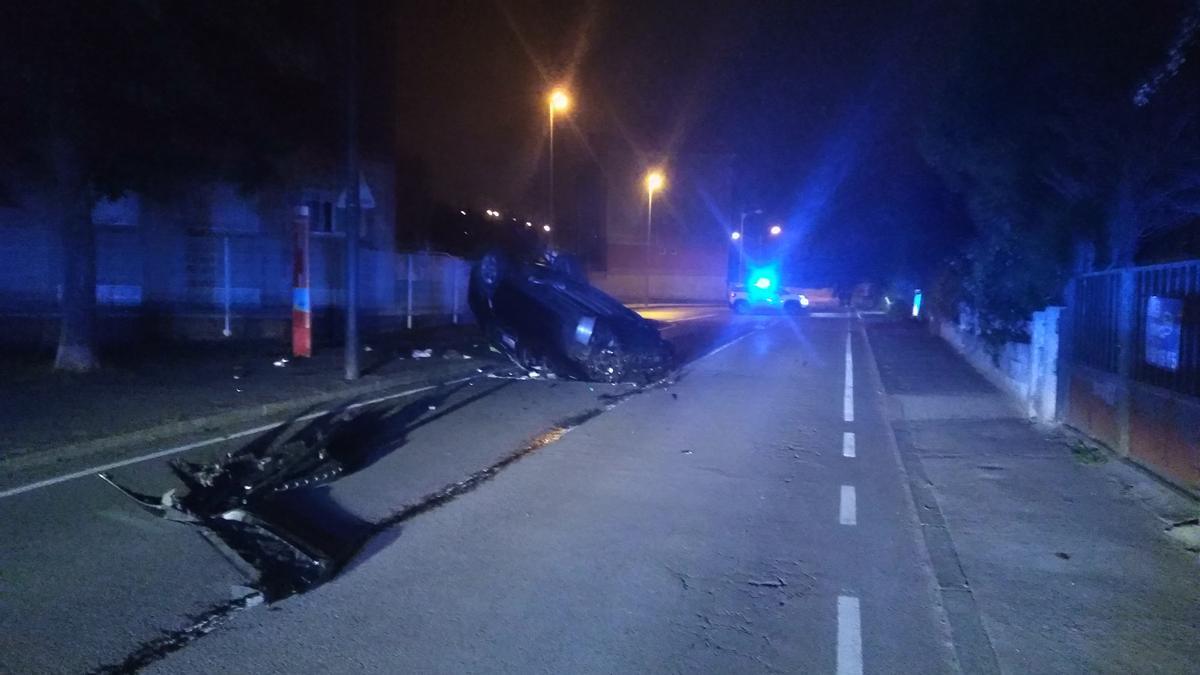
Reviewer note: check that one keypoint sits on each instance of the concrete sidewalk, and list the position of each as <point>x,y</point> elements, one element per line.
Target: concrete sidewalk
<point>151,395</point>
<point>1058,550</point>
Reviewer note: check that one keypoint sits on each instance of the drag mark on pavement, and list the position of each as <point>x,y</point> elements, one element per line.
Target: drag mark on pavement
<point>848,396</point>
<point>848,507</point>
<point>849,636</point>
<point>848,449</point>
<point>173,641</point>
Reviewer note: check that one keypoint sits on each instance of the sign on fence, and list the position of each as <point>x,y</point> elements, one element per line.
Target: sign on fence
<point>1163,319</point>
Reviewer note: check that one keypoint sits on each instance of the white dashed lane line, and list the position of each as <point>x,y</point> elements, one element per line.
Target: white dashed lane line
<point>848,509</point>
<point>849,636</point>
<point>849,620</point>
<point>848,396</point>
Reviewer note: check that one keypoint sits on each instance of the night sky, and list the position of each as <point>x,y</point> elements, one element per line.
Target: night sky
<point>804,94</point>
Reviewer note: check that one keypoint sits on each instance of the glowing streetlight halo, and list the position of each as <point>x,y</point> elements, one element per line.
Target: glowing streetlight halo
<point>655,180</point>
<point>776,230</point>
<point>559,100</point>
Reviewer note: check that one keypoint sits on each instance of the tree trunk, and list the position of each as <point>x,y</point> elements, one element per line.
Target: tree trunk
<point>1124,228</point>
<point>76,340</point>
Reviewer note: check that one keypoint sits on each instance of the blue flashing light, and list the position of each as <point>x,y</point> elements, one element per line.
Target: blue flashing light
<point>761,284</point>
<point>916,307</point>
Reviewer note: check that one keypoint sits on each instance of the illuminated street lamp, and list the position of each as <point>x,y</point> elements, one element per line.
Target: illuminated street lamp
<point>558,102</point>
<point>654,182</point>
<point>546,227</point>
<point>735,235</point>
<point>776,230</point>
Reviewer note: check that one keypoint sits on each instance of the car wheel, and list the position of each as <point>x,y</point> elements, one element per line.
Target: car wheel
<point>792,307</point>
<point>741,307</point>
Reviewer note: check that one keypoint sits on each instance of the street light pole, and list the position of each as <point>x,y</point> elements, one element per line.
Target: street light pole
<point>558,100</point>
<point>351,366</point>
<point>550,206</point>
<point>649,225</point>
<point>741,239</point>
<point>654,182</point>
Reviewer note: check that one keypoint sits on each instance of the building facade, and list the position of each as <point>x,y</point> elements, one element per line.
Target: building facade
<point>210,263</point>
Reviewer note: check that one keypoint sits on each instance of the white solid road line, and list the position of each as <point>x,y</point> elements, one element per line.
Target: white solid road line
<point>848,444</point>
<point>12,492</point>
<point>848,509</point>
<point>849,636</point>
<point>848,396</point>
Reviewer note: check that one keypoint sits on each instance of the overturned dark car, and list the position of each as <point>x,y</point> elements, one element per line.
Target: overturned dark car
<point>544,316</point>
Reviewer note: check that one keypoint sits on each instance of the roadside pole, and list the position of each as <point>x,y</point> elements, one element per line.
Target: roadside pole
<point>301,301</point>
<point>454,292</point>
<point>228,331</point>
<point>408,287</point>
<point>352,195</point>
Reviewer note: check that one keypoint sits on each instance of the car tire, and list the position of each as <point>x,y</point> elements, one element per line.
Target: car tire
<point>741,307</point>
<point>792,307</point>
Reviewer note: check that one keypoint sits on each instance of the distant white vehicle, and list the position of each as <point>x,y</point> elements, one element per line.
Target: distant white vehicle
<point>763,293</point>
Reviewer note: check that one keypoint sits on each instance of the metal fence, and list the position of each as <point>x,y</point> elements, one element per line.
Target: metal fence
<point>431,284</point>
<point>1140,322</point>
<point>1165,326</point>
<point>1095,311</point>
<point>241,274</point>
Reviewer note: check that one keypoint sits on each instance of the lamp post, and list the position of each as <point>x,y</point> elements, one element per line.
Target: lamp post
<point>741,241</point>
<point>654,183</point>
<point>557,101</point>
<point>351,369</point>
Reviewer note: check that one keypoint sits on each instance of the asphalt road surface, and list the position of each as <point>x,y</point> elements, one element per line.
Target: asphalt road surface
<point>749,515</point>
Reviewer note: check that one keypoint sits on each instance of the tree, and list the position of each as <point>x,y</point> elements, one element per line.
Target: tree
<point>146,96</point>
<point>1036,134</point>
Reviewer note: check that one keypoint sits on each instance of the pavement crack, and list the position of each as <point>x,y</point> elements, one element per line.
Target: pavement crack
<point>683,578</point>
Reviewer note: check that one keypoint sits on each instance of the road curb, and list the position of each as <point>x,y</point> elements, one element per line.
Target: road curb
<point>35,459</point>
<point>964,634</point>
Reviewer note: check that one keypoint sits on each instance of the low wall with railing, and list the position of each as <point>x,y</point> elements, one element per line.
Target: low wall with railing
<point>633,288</point>
<point>1028,371</point>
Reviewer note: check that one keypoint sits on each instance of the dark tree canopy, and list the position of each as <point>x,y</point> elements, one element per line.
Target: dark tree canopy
<point>148,96</point>
<point>145,95</point>
<point>1037,133</point>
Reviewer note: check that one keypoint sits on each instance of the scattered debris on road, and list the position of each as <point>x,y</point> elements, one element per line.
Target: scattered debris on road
<point>776,583</point>
<point>269,502</point>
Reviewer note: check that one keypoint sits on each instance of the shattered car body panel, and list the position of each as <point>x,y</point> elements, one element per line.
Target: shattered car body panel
<point>268,503</point>
<point>544,316</point>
